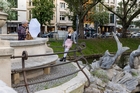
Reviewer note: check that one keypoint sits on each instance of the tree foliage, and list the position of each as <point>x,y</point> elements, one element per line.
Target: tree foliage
<point>12,14</point>
<point>43,11</point>
<point>127,10</point>
<point>81,8</point>
<point>7,6</point>
<point>137,23</point>
<point>100,17</point>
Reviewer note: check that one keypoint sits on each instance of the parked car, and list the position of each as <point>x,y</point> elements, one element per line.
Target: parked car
<point>119,34</point>
<point>135,35</point>
<point>49,35</point>
<point>107,34</point>
<point>94,35</point>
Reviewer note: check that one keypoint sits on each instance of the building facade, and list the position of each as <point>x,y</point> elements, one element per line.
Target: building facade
<point>19,15</point>
<point>60,20</point>
<point>23,12</point>
<point>109,27</point>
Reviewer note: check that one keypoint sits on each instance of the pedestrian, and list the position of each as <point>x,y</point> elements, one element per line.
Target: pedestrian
<point>22,30</point>
<point>68,41</point>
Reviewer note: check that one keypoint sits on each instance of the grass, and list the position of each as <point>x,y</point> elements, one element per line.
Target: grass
<point>99,45</point>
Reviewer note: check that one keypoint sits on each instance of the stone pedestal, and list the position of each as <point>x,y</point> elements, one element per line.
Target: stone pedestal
<point>3,18</point>
<point>5,61</point>
<point>4,29</point>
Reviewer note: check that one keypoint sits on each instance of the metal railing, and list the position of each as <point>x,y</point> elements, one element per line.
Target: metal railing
<point>25,56</point>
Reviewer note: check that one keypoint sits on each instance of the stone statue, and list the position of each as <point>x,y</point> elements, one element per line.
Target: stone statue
<point>133,57</point>
<point>108,59</point>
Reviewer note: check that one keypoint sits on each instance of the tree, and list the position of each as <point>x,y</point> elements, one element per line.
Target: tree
<point>137,23</point>
<point>81,8</point>
<point>127,10</point>
<point>99,17</point>
<point>43,11</point>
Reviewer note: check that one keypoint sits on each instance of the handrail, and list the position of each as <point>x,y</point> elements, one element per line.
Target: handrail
<point>25,56</point>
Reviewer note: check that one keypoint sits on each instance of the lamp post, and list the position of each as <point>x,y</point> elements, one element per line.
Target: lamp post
<point>77,30</point>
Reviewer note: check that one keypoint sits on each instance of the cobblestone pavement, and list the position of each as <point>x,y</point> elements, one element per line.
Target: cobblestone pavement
<point>55,72</point>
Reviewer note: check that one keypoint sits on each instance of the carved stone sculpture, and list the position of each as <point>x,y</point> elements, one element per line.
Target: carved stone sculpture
<point>108,59</point>
<point>134,56</point>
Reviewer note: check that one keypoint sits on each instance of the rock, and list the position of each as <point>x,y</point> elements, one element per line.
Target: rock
<point>136,62</point>
<point>110,73</point>
<point>131,84</point>
<point>117,77</point>
<point>126,77</point>
<point>100,83</point>
<point>92,90</point>
<point>115,88</point>
<point>5,89</point>
<point>95,65</point>
<point>133,57</point>
<point>127,68</point>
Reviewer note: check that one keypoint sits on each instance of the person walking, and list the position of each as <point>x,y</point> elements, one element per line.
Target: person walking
<point>68,41</point>
<point>22,30</point>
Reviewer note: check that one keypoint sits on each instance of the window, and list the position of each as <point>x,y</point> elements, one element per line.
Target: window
<point>112,1</point>
<point>30,14</point>
<point>13,15</point>
<point>62,17</point>
<point>62,5</point>
<point>111,18</point>
<point>13,3</point>
<point>30,2</point>
<point>69,18</point>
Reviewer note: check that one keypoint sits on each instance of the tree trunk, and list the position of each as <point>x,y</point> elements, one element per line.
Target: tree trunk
<point>81,28</point>
<point>124,30</point>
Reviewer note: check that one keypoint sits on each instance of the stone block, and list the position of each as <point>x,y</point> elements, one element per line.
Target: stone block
<point>47,70</point>
<point>16,78</point>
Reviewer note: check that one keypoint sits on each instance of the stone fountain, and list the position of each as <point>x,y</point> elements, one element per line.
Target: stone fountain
<point>108,77</point>
<point>33,47</point>
<point>3,18</point>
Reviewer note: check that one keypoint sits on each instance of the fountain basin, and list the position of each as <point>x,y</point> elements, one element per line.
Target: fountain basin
<point>35,46</point>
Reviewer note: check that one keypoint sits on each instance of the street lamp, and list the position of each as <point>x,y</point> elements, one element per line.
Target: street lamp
<point>77,30</point>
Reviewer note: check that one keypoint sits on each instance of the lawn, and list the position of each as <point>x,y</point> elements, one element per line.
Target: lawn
<point>98,45</point>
